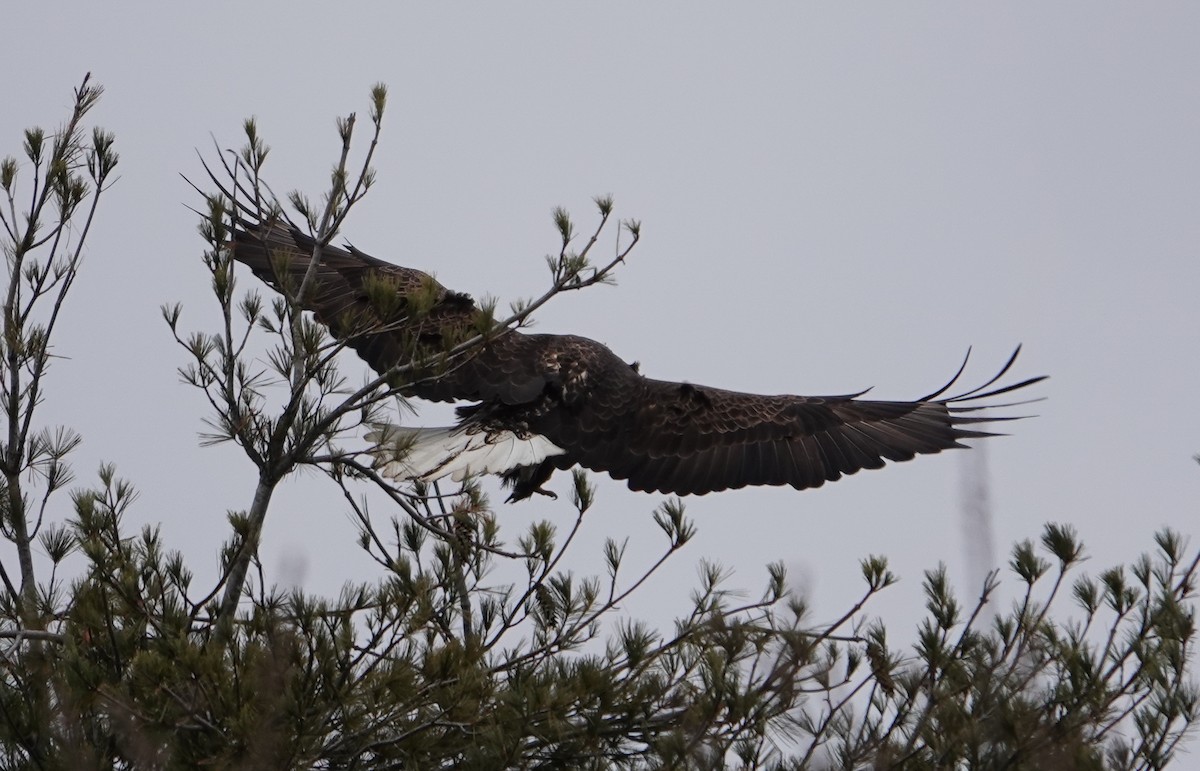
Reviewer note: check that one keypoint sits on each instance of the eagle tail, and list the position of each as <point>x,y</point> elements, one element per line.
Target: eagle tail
<point>429,454</point>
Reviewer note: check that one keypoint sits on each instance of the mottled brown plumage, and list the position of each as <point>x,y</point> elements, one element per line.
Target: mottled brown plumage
<point>659,436</point>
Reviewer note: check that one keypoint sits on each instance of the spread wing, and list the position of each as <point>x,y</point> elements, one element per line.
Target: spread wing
<point>688,439</point>
<point>392,315</point>
<point>383,311</point>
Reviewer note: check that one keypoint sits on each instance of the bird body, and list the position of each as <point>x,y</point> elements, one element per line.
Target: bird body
<point>545,402</point>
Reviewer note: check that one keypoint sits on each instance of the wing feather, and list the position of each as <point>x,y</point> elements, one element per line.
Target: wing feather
<point>392,315</point>
<point>683,438</point>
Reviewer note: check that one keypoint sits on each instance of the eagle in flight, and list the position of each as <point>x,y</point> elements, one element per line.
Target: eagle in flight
<point>545,402</point>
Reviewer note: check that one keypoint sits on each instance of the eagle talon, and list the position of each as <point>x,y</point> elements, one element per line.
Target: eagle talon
<point>521,492</point>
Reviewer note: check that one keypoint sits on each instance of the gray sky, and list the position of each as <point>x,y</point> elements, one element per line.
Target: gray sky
<point>833,197</point>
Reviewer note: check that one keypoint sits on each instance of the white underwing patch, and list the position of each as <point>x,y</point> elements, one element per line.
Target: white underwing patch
<point>429,454</point>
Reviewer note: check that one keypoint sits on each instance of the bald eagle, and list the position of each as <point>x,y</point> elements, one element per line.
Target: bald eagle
<point>545,402</point>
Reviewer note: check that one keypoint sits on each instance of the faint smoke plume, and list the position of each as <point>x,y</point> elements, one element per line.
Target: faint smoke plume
<point>977,527</point>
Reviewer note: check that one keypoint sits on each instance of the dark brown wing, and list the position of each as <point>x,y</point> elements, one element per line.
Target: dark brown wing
<point>391,315</point>
<point>687,439</point>
<point>279,255</point>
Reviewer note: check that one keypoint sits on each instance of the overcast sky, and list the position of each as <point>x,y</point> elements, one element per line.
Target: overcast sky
<point>833,197</point>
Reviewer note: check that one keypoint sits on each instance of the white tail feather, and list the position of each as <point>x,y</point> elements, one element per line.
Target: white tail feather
<point>428,454</point>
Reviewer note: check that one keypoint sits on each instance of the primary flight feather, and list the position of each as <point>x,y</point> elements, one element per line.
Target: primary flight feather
<point>547,402</point>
